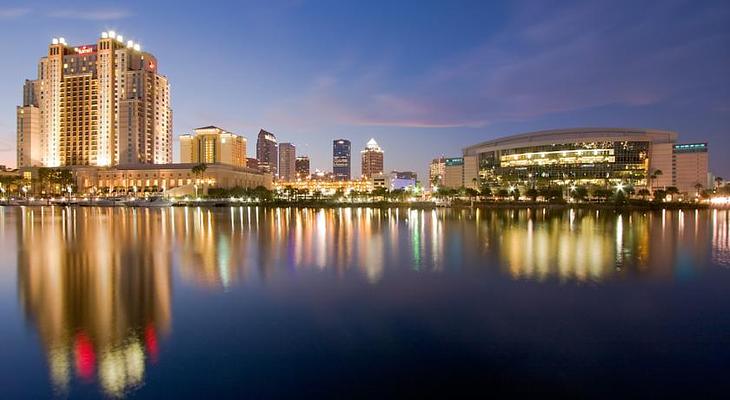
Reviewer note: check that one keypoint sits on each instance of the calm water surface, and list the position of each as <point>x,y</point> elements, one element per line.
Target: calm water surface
<point>253,302</point>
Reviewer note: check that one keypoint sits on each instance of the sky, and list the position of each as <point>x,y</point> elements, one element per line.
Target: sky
<point>424,78</point>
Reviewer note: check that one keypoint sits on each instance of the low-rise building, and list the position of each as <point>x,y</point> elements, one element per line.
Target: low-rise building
<point>161,177</point>
<point>329,186</point>
<point>403,180</point>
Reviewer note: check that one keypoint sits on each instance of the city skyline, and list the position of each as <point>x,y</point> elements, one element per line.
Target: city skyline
<point>664,87</point>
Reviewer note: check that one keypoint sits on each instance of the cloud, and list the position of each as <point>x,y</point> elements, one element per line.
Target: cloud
<point>11,13</point>
<point>91,15</point>
<point>545,61</point>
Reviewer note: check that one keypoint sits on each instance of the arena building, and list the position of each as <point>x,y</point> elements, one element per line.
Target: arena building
<point>584,156</point>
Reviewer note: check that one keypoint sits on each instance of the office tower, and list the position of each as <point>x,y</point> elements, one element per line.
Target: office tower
<point>341,159</point>
<point>436,171</point>
<point>690,168</point>
<point>287,162</point>
<point>96,104</point>
<point>29,129</point>
<point>267,152</point>
<point>210,145</point>
<point>372,159</point>
<point>302,167</point>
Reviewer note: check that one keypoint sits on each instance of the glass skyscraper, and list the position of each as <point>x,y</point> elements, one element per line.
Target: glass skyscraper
<point>341,159</point>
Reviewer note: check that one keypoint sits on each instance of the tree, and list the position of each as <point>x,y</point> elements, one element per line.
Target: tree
<point>579,193</point>
<point>718,181</point>
<point>698,188</point>
<point>262,193</point>
<point>660,195</point>
<point>380,192</point>
<point>485,191</point>
<point>503,193</point>
<point>515,194</point>
<point>644,193</point>
<point>532,194</point>
<point>199,170</point>
<point>471,193</point>
<point>656,174</point>
<point>339,194</point>
<point>602,193</point>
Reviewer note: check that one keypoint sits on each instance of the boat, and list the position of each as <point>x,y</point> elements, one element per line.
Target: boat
<point>150,202</point>
<point>104,202</point>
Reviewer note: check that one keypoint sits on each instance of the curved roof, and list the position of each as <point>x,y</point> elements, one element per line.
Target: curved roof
<point>552,136</point>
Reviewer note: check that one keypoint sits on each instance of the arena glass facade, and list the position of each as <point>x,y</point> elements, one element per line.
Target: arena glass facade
<point>584,156</point>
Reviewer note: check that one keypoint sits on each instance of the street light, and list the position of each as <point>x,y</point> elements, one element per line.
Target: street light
<point>619,187</point>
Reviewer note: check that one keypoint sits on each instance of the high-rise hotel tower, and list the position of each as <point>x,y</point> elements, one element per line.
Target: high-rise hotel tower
<point>97,104</point>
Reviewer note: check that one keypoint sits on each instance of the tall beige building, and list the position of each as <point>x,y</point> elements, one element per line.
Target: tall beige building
<point>690,167</point>
<point>29,129</point>
<point>287,162</point>
<point>97,104</point>
<point>372,159</point>
<point>211,145</point>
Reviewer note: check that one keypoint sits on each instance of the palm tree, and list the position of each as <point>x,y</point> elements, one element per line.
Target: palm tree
<point>718,181</point>
<point>698,188</point>
<point>198,171</point>
<point>656,174</point>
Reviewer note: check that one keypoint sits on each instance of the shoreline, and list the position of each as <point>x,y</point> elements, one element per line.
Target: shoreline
<point>220,203</point>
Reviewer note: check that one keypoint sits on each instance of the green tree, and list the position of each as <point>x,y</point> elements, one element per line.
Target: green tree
<point>654,176</point>
<point>698,188</point>
<point>199,170</point>
<point>485,191</point>
<point>580,193</point>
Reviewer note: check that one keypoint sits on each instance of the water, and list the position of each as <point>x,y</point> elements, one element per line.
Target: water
<point>253,302</point>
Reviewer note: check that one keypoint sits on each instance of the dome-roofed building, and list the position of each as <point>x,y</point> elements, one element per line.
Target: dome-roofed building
<point>372,159</point>
<point>599,156</point>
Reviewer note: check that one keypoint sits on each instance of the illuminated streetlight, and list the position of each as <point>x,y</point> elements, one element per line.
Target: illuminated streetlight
<point>619,187</point>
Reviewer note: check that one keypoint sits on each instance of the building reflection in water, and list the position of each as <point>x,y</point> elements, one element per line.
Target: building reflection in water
<point>96,285</point>
<point>222,248</point>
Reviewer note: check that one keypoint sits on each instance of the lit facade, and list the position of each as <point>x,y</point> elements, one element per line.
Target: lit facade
<point>210,145</point>
<point>372,159</point>
<point>436,171</point>
<point>328,187</point>
<point>342,159</point>
<point>403,180</point>
<point>29,136</point>
<point>98,104</point>
<point>287,161</point>
<point>302,167</point>
<point>597,156</point>
<point>167,177</point>
<point>267,152</point>
<point>690,167</point>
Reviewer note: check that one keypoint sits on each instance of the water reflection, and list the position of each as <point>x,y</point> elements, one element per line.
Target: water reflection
<point>96,284</point>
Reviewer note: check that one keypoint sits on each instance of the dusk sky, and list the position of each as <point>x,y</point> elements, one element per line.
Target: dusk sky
<point>422,78</point>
